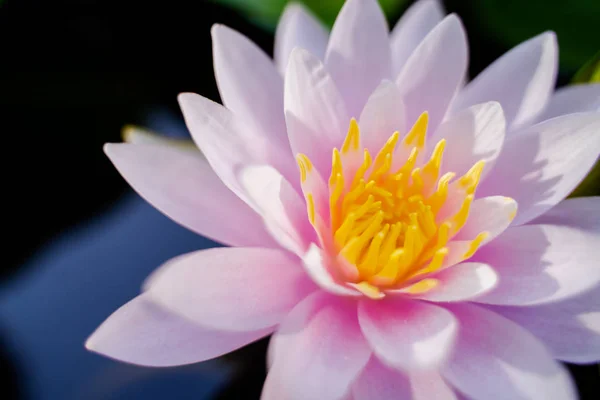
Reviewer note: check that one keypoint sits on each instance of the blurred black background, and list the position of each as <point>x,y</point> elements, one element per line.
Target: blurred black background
<point>74,72</point>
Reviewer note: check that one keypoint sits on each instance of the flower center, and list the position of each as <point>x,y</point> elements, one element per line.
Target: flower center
<point>390,216</point>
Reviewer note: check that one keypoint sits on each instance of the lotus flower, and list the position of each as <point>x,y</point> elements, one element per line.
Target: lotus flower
<point>400,234</point>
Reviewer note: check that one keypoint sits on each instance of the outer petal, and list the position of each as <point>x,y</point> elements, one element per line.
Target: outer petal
<point>358,55</point>
<point>541,264</point>
<point>434,71</point>
<point>497,359</point>
<point>379,382</point>
<point>474,134</point>
<point>522,81</point>
<point>411,29</point>
<point>235,289</point>
<point>315,113</point>
<point>141,332</point>
<point>572,99</point>
<point>182,185</point>
<point>382,116</point>
<point>298,27</point>
<point>318,351</point>
<point>254,94</point>
<point>407,334</point>
<point>488,214</point>
<point>541,165</point>
<point>582,212</point>
<point>570,329</point>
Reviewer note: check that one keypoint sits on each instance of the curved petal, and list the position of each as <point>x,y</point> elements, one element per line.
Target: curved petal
<point>430,385</point>
<point>472,135</point>
<point>382,116</point>
<point>379,382</point>
<point>315,113</point>
<point>318,351</point>
<point>434,71</point>
<point>497,359</point>
<point>254,95</point>
<point>570,329</point>
<point>522,81</point>
<point>234,289</point>
<point>572,99</point>
<point>539,264</point>
<point>142,333</point>
<point>315,263</point>
<point>298,27</point>
<point>358,55</point>
<point>407,334</point>
<point>581,212</point>
<point>462,282</point>
<point>182,185</point>
<point>488,214</point>
<point>281,207</point>
<point>541,165</point>
<point>411,29</point>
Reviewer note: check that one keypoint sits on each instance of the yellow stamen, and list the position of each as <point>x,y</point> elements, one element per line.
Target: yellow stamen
<point>353,138</point>
<point>416,136</point>
<point>423,286</point>
<point>475,244</point>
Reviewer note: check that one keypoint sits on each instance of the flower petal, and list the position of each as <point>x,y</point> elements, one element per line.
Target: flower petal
<point>315,113</point>
<point>541,165</point>
<point>382,116</point>
<point>488,214</point>
<point>235,289</point>
<point>497,359</point>
<point>570,329</point>
<point>472,135</point>
<point>572,99</point>
<point>379,382</point>
<point>539,264</point>
<point>407,334</point>
<point>434,71</point>
<point>141,332</point>
<point>316,265</point>
<point>298,27</point>
<point>182,185</point>
<point>522,81</point>
<point>581,212</point>
<point>411,29</point>
<point>358,56</point>
<point>462,282</point>
<point>318,351</point>
<point>430,385</point>
<point>254,95</point>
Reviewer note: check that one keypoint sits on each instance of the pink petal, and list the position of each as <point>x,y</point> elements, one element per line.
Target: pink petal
<point>235,289</point>
<point>316,264</point>
<point>379,382</point>
<point>539,264</point>
<point>183,186</point>
<point>541,165</point>
<point>488,214</point>
<point>462,282</point>
<point>522,81</point>
<point>358,56</point>
<point>254,94</point>
<point>572,99</point>
<point>315,113</point>
<point>497,359</point>
<point>570,329</point>
<point>411,29</point>
<point>318,351</point>
<point>382,116</point>
<point>298,27</point>
<point>430,385</point>
<point>281,207</point>
<point>140,332</point>
<point>434,71</point>
<point>407,334</point>
<point>474,134</point>
<point>582,212</point>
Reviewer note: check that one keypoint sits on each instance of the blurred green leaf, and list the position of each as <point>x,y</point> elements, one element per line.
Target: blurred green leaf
<point>266,12</point>
<point>575,23</point>
<point>590,72</point>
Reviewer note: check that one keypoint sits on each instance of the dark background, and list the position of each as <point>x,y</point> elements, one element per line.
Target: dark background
<point>73,73</point>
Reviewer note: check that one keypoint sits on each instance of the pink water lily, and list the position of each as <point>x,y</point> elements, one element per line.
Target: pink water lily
<point>402,235</point>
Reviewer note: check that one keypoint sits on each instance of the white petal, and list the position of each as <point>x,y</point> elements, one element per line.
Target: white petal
<point>541,165</point>
<point>379,382</point>
<point>317,267</point>
<point>462,282</point>
<point>358,56</point>
<point>581,212</point>
<point>522,81</point>
<point>488,214</point>
<point>298,27</point>
<point>434,71</point>
<point>411,29</point>
<point>572,99</point>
